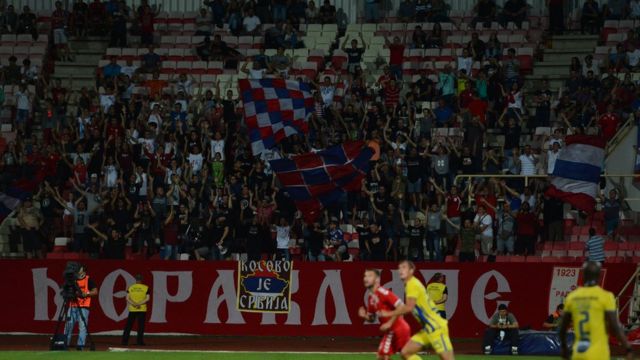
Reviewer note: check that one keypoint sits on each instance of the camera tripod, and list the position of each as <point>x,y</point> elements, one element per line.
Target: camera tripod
<point>58,340</point>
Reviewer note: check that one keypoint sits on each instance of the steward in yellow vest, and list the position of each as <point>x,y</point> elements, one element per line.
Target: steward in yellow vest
<point>438,292</point>
<point>137,299</point>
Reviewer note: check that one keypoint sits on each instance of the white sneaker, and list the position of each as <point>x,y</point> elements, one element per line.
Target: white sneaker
<point>487,350</point>
<point>514,350</point>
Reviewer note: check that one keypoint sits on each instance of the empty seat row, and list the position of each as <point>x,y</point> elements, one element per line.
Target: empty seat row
<point>22,39</point>
<point>22,51</point>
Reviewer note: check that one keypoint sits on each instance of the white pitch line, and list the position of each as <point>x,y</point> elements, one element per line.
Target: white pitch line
<point>120,349</point>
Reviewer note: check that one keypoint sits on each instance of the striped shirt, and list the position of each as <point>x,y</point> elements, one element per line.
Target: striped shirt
<point>391,96</point>
<point>527,165</point>
<point>595,247</point>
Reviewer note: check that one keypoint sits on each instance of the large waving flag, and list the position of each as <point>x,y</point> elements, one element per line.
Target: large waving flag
<point>274,109</point>
<point>316,180</point>
<point>576,176</point>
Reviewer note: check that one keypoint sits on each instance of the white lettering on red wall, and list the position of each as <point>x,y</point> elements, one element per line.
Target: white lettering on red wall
<point>161,295</point>
<point>200,297</point>
<point>332,283</point>
<point>479,295</point>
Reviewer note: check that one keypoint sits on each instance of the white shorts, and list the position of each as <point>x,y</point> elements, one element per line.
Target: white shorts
<point>59,36</point>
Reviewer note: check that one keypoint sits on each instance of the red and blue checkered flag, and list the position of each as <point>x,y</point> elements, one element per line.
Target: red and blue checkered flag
<point>316,180</point>
<point>274,109</point>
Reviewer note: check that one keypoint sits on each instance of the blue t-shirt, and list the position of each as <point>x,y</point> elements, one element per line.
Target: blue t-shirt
<point>178,117</point>
<point>151,60</point>
<point>443,114</point>
<point>111,70</point>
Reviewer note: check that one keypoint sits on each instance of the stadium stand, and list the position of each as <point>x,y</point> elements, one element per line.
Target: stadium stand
<point>105,130</point>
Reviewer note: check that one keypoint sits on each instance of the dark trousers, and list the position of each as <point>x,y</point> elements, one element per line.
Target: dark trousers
<point>525,245</point>
<point>133,315</point>
<point>556,18</point>
<point>118,38</point>
<point>511,335</point>
<point>466,256</point>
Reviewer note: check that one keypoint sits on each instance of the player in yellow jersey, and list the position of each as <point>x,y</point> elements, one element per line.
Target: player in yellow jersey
<point>434,332</point>
<point>592,310</point>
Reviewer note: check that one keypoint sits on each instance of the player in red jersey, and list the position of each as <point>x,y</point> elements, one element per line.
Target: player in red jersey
<point>396,330</point>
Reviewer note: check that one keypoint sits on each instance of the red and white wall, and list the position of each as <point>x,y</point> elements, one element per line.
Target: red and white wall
<point>200,297</point>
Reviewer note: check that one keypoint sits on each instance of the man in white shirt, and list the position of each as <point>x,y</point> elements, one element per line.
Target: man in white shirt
<point>129,69</point>
<point>633,55</point>
<point>23,105</point>
<point>465,62</point>
<point>195,159</point>
<point>327,91</point>
<point>552,156</point>
<point>282,239</point>
<point>217,146</point>
<point>107,99</point>
<point>29,72</point>
<point>590,65</point>
<point>256,72</point>
<point>527,162</point>
<point>484,225</point>
<point>251,23</point>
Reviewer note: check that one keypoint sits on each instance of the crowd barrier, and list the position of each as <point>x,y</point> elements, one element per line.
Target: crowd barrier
<point>200,297</point>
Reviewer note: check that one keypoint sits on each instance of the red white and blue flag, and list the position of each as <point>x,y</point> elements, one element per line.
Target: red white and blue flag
<point>316,180</point>
<point>576,175</point>
<point>274,109</point>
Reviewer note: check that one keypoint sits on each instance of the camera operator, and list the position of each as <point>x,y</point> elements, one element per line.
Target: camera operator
<point>79,307</point>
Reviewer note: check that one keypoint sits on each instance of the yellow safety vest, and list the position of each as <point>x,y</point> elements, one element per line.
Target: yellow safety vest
<point>137,293</point>
<point>435,291</point>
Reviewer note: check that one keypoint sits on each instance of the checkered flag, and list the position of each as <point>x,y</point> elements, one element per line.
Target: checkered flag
<point>275,109</point>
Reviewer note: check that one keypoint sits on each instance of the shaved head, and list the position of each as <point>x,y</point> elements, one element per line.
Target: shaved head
<point>591,270</point>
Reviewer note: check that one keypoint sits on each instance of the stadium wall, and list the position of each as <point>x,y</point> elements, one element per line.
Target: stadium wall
<point>200,297</point>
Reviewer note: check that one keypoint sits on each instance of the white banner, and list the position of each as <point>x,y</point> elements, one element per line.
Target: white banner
<point>563,281</point>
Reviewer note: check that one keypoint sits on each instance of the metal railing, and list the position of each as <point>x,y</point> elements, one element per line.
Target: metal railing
<point>632,280</point>
<point>619,136</point>
<point>459,178</point>
<point>526,178</point>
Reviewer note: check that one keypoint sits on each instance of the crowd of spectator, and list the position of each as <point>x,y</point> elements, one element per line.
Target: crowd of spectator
<point>166,166</point>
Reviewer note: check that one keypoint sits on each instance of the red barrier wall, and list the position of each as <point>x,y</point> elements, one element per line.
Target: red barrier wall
<point>200,297</point>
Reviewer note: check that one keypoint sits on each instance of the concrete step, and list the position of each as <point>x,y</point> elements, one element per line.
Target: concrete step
<point>82,57</point>
<point>78,81</point>
<point>565,55</point>
<point>555,81</point>
<point>544,69</point>
<point>75,71</point>
<point>94,43</point>
<point>574,41</point>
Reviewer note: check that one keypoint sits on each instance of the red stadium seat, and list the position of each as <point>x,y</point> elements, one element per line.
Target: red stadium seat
<point>610,250</point>
<point>560,245</point>
<point>559,253</point>
<point>339,59</point>
<point>615,259</point>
